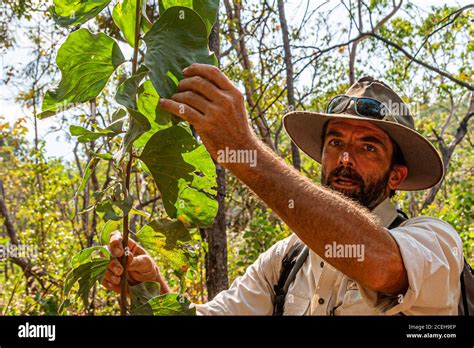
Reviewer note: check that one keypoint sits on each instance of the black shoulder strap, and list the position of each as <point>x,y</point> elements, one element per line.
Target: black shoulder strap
<point>467,282</point>
<point>292,263</point>
<point>401,217</point>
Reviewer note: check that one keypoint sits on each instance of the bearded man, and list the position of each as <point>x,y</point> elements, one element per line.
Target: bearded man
<point>355,254</point>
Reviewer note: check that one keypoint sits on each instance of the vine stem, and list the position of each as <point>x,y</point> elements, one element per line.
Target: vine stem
<point>128,173</point>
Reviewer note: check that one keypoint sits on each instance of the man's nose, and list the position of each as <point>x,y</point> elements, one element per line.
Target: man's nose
<point>346,159</point>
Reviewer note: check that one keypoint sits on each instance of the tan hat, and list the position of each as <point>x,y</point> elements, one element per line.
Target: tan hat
<point>425,168</point>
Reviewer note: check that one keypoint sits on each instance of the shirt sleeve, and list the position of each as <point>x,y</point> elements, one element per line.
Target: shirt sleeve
<point>252,293</point>
<point>433,257</point>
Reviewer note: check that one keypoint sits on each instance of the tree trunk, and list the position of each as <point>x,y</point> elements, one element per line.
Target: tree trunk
<point>295,153</point>
<point>216,258</point>
<point>448,150</point>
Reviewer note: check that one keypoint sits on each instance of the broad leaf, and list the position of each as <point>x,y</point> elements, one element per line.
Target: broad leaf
<point>162,236</point>
<point>107,230</point>
<point>85,135</point>
<point>86,62</point>
<point>106,211</point>
<point>87,173</point>
<point>185,175</point>
<point>143,292</point>
<point>105,156</point>
<point>124,15</point>
<point>139,124</point>
<point>168,304</point>
<point>207,9</point>
<point>176,40</point>
<point>74,12</point>
<point>118,119</point>
<point>163,233</point>
<point>88,266</point>
<point>127,91</point>
<point>147,105</point>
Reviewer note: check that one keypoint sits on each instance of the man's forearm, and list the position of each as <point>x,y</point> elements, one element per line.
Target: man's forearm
<point>320,216</point>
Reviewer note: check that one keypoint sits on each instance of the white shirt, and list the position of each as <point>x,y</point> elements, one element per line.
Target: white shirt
<point>432,253</point>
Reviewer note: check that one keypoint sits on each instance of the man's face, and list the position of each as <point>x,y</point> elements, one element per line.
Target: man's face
<point>356,161</point>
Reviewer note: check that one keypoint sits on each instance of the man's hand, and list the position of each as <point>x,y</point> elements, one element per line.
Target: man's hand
<point>208,100</point>
<point>140,265</point>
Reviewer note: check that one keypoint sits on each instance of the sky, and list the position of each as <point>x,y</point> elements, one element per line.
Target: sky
<point>56,143</point>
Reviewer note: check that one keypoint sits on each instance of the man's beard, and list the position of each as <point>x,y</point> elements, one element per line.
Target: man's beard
<point>368,195</point>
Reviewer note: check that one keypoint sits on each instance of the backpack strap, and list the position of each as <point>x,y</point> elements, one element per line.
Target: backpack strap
<point>467,276</point>
<point>291,264</point>
<point>401,217</point>
<point>294,260</point>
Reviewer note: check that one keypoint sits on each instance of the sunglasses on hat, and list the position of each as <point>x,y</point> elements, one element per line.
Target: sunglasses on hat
<point>364,106</point>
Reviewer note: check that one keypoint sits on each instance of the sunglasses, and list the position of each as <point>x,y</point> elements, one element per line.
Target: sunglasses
<point>365,106</point>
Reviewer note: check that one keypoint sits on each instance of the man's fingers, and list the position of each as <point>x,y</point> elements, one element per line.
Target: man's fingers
<point>182,110</point>
<point>201,86</point>
<point>142,263</point>
<point>143,277</point>
<point>115,244</point>
<point>109,282</point>
<point>194,100</point>
<point>115,267</point>
<point>211,73</point>
<point>111,278</point>
<point>112,287</point>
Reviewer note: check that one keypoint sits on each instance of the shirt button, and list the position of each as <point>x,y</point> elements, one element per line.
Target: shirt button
<point>321,301</point>
<point>322,264</point>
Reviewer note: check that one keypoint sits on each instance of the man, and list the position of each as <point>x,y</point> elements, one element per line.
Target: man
<point>368,148</point>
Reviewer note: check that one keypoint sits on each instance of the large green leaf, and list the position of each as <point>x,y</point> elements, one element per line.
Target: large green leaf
<point>176,40</point>
<point>185,175</point>
<point>74,12</point>
<point>162,236</point>
<point>147,105</point>
<point>168,304</point>
<point>88,266</point>
<point>124,15</point>
<point>207,9</point>
<point>142,293</point>
<point>163,233</point>
<point>86,62</point>
<point>127,91</point>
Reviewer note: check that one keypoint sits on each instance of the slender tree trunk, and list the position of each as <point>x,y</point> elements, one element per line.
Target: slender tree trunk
<point>295,152</point>
<point>7,218</point>
<point>448,150</point>
<point>216,258</point>
<point>94,180</point>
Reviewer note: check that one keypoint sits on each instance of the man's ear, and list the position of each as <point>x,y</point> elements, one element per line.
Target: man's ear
<point>398,175</point>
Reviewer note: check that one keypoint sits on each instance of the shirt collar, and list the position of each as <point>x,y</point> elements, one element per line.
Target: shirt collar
<point>386,212</point>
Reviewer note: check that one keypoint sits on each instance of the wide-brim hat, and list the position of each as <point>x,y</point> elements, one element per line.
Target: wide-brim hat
<point>425,167</point>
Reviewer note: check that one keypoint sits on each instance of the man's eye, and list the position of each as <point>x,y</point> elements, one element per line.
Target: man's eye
<point>334,142</point>
<point>370,148</point>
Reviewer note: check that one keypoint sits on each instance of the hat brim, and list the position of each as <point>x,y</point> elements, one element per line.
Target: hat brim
<point>425,168</point>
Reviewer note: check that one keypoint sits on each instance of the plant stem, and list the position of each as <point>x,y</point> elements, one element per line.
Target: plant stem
<point>126,230</point>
